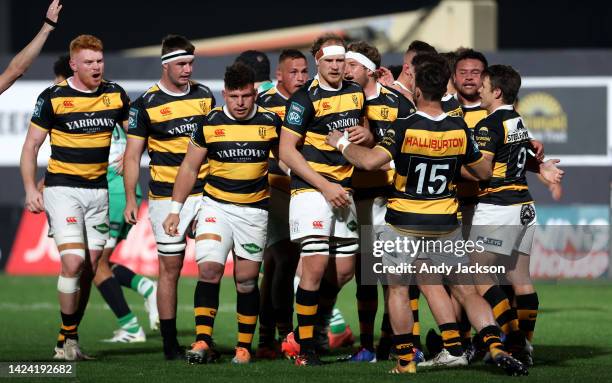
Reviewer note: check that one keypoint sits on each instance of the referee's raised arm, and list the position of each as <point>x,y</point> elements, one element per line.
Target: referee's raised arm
<point>22,61</point>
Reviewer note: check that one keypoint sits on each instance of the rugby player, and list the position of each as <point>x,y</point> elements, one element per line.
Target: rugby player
<point>162,119</point>
<point>383,106</point>
<point>505,214</point>
<point>322,214</point>
<point>260,64</point>
<point>423,206</point>
<point>402,84</point>
<point>237,139</point>
<point>79,114</point>
<point>110,289</point>
<point>281,256</point>
<point>22,61</point>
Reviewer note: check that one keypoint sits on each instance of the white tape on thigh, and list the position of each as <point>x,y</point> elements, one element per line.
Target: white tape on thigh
<point>111,243</point>
<point>171,248</point>
<point>210,250</point>
<point>62,239</point>
<point>314,246</point>
<point>68,285</point>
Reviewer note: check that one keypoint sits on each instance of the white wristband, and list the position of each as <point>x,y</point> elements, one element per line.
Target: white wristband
<point>175,207</point>
<point>392,164</point>
<point>344,143</point>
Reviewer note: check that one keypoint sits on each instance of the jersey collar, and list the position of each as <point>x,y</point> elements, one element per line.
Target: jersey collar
<point>375,96</point>
<point>175,94</point>
<point>70,84</point>
<point>437,118</point>
<point>229,115</point>
<point>325,87</point>
<point>502,107</point>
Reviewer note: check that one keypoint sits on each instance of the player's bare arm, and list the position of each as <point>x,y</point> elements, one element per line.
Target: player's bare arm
<point>185,179</point>
<point>22,61</point>
<point>131,169</point>
<point>29,154</point>
<point>333,193</point>
<point>480,170</point>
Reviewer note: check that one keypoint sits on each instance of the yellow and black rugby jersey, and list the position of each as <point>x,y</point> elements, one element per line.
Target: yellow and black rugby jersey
<point>314,111</point>
<point>166,121</point>
<point>467,191</point>
<point>237,155</point>
<point>428,154</point>
<point>274,101</point>
<point>503,134</point>
<point>80,125</point>
<point>381,111</point>
<point>451,106</point>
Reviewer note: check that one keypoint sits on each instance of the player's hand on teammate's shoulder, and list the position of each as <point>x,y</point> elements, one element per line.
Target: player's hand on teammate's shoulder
<point>171,224</point>
<point>550,171</point>
<point>34,201</point>
<point>335,195</point>
<point>385,77</point>
<point>333,137</point>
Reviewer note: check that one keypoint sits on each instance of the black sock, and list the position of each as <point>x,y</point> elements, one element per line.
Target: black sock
<point>385,327</point>
<point>403,348</point>
<point>123,274</point>
<point>465,329</point>
<point>451,339</point>
<point>367,304</point>
<point>414,294</point>
<point>306,305</point>
<point>527,311</point>
<point>205,306</point>
<point>69,326</point>
<point>113,296</point>
<point>247,308</point>
<point>167,328</point>
<point>491,337</point>
<point>504,314</point>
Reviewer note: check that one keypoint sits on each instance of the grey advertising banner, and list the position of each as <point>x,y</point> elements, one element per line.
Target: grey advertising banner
<point>571,116</point>
<point>567,120</point>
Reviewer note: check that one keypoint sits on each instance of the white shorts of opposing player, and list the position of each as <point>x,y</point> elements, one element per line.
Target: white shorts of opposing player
<point>159,210</point>
<point>77,214</point>
<point>310,215</point>
<point>223,227</point>
<point>504,229</point>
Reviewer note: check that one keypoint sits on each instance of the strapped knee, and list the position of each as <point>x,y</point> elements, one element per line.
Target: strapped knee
<point>169,249</point>
<point>314,246</point>
<point>68,285</point>
<point>344,249</point>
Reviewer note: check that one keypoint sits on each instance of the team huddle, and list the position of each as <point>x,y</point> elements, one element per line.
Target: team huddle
<point>296,179</point>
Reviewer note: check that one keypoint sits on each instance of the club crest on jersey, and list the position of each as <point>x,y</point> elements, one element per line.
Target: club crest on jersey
<point>106,100</point>
<point>355,100</point>
<point>295,114</point>
<point>384,113</point>
<point>262,132</point>
<point>203,106</point>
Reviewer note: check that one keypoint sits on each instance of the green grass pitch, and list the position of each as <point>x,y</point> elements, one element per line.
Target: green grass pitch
<point>573,339</point>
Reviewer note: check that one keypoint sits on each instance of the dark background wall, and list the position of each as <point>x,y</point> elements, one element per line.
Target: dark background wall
<point>124,24</point>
